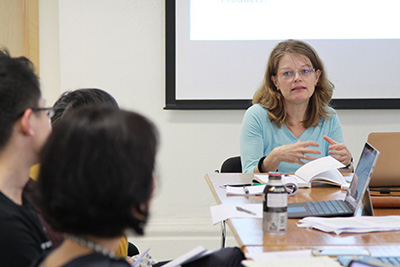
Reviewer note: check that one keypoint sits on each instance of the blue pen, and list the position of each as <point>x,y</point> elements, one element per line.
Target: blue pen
<point>140,258</point>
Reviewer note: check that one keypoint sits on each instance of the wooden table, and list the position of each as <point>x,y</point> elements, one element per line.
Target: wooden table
<point>249,234</point>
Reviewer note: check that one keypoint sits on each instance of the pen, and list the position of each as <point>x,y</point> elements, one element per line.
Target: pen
<point>140,258</point>
<point>246,190</point>
<point>237,185</point>
<point>245,210</point>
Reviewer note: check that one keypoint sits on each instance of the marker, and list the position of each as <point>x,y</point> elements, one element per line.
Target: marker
<point>246,190</point>
<point>245,210</point>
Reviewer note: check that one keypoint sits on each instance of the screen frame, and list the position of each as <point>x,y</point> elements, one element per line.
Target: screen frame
<point>170,82</point>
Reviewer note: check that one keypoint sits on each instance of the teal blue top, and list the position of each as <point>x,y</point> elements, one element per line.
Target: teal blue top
<point>259,136</point>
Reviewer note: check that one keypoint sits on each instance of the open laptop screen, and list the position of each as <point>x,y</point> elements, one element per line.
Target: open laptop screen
<point>362,175</point>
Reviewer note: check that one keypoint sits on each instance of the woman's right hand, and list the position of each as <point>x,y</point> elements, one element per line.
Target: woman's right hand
<point>291,153</point>
<point>296,153</point>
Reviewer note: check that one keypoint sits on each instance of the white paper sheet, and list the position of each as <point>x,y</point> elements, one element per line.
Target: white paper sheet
<point>279,255</point>
<point>253,190</point>
<point>222,212</point>
<point>294,262</point>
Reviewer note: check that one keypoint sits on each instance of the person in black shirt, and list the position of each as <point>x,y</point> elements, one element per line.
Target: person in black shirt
<point>24,127</point>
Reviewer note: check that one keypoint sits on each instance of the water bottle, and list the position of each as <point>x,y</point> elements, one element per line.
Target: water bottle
<point>275,205</point>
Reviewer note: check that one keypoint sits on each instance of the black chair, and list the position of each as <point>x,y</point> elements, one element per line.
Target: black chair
<point>132,250</point>
<point>232,164</point>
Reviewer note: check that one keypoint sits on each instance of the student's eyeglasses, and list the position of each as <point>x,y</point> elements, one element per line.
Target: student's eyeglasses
<point>49,112</point>
<point>287,75</point>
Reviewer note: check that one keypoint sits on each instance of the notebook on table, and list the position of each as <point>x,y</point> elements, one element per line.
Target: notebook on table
<point>353,201</point>
<point>387,170</point>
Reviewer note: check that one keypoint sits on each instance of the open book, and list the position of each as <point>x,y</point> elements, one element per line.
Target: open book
<point>323,170</point>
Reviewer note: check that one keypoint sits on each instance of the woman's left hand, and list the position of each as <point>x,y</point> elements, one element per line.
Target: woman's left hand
<point>339,151</point>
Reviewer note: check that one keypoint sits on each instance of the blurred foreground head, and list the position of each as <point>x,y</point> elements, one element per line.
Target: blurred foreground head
<point>96,175</point>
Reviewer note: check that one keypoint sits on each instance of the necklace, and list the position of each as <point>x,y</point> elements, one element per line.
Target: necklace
<point>92,245</point>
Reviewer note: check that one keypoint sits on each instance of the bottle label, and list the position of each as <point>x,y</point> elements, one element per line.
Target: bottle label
<point>275,222</point>
<point>277,200</point>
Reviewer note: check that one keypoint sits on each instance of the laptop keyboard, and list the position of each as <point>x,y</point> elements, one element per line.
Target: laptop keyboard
<point>390,260</point>
<point>328,207</point>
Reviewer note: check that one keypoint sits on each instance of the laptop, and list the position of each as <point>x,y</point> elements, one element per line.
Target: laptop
<point>352,204</point>
<point>387,170</point>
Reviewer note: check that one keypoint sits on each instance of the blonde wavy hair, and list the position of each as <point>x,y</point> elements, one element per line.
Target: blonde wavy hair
<point>271,98</point>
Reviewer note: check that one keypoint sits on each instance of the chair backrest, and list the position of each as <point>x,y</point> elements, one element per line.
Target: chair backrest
<point>232,164</point>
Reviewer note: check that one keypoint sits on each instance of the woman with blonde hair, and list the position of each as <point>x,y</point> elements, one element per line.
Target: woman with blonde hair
<point>290,121</point>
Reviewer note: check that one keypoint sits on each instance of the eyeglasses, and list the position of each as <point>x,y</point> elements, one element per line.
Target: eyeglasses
<point>287,75</point>
<point>49,111</point>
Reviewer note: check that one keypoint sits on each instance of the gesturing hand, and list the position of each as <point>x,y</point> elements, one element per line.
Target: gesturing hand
<point>339,151</point>
<point>296,153</point>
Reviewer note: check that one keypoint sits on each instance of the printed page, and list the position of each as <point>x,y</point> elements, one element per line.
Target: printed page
<point>332,176</point>
<point>318,166</point>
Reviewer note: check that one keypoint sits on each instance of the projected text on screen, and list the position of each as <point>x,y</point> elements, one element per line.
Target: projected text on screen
<point>305,19</point>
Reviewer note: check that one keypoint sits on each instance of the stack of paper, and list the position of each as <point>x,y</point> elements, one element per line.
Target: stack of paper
<point>294,262</point>
<point>276,255</point>
<point>363,224</point>
<point>288,258</point>
<point>289,182</point>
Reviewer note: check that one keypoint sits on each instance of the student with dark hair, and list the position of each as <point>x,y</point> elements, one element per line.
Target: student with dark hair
<point>71,100</point>
<point>95,181</point>
<point>24,127</point>
<point>67,102</point>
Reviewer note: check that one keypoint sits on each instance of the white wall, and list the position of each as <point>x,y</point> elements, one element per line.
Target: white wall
<point>119,46</point>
